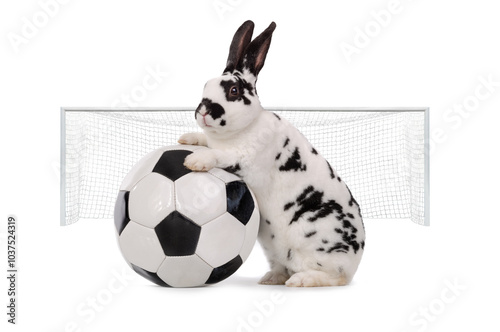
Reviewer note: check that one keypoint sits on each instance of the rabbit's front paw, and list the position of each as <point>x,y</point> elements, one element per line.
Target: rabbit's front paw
<point>193,139</point>
<point>201,160</point>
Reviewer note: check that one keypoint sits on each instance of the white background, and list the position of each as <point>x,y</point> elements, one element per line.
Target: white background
<point>92,53</point>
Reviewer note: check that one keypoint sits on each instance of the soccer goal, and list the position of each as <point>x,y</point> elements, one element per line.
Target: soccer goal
<point>382,154</point>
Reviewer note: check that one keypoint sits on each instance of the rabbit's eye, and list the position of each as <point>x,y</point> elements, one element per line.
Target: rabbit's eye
<point>234,91</point>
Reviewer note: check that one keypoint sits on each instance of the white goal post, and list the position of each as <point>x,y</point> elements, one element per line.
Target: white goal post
<point>382,154</point>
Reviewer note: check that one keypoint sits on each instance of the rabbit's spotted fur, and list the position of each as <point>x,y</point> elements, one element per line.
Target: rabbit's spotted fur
<point>311,226</point>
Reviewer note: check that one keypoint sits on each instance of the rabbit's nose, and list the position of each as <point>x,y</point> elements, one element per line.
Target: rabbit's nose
<point>202,110</point>
<point>205,112</point>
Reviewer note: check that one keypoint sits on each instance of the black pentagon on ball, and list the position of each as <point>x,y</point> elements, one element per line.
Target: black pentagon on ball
<point>224,271</point>
<point>178,235</point>
<point>151,276</point>
<point>240,202</point>
<point>171,164</point>
<point>121,211</point>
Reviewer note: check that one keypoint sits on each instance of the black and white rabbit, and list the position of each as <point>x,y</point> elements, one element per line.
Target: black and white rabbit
<point>311,226</point>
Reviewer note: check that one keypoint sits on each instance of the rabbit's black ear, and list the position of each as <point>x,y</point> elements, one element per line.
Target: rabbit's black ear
<point>241,39</point>
<point>256,52</point>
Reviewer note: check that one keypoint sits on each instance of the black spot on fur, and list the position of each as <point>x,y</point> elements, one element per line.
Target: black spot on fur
<point>272,236</point>
<point>352,201</point>
<point>355,245</point>
<point>350,215</point>
<point>314,151</point>
<point>348,238</point>
<point>310,234</point>
<point>311,201</point>
<point>324,241</point>
<point>268,222</point>
<point>319,264</point>
<point>347,224</point>
<point>308,201</point>
<point>289,255</point>
<point>247,86</point>
<point>332,175</point>
<point>288,205</point>
<point>326,209</point>
<point>278,156</point>
<point>286,142</point>
<point>223,123</point>
<point>294,163</point>
<point>277,116</point>
<point>338,247</point>
<point>320,249</point>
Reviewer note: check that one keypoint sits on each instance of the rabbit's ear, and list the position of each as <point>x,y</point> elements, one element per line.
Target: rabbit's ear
<point>241,39</point>
<point>257,50</point>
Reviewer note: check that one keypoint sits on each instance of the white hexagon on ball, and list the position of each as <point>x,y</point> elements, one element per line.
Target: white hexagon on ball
<point>151,200</point>
<point>200,197</point>
<point>185,271</point>
<point>221,240</point>
<point>140,246</point>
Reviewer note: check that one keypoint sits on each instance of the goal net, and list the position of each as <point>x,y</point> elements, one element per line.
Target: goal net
<point>382,155</point>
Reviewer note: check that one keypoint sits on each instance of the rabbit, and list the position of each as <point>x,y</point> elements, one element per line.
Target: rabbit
<point>311,229</point>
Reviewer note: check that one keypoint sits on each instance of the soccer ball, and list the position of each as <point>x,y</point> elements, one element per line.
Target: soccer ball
<point>181,228</point>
